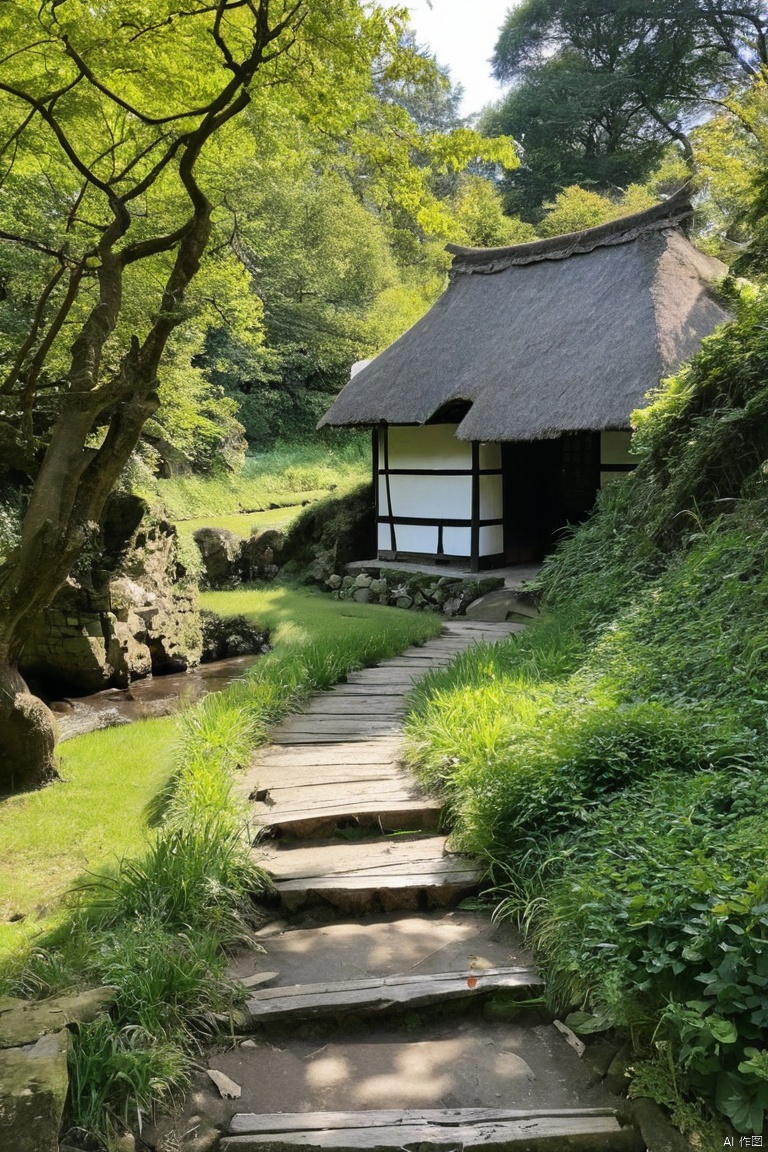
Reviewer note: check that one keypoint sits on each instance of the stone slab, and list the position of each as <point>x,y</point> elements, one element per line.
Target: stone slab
<point>33,1089</point>
<point>25,1021</point>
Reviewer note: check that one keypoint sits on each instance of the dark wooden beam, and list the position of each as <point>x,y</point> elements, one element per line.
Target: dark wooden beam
<point>474,561</point>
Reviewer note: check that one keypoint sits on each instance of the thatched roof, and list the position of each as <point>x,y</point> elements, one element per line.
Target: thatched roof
<point>564,334</point>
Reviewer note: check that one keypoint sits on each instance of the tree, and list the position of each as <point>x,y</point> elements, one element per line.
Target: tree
<point>600,89</point>
<point>117,120</point>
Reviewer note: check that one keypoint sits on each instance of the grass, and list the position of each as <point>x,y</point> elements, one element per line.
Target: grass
<point>282,478</point>
<point>149,811</point>
<point>98,812</point>
<point>242,523</point>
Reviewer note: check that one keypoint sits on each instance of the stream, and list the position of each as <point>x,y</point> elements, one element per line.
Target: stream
<point>153,696</point>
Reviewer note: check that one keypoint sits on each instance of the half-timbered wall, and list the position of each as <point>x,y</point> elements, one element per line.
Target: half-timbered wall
<point>438,496</point>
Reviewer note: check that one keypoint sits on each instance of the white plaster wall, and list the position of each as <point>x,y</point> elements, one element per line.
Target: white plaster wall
<point>457,542</point>
<point>492,540</point>
<point>439,497</point>
<point>409,538</point>
<point>430,446</point>
<point>490,455</point>
<point>614,449</point>
<point>428,497</point>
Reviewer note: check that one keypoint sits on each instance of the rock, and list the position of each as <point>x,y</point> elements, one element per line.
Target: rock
<point>334,581</point>
<point>220,553</point>
<point>124,1143</point>
<point>249,1044</point>
<point>201,1134</point>
<point>452,606</point>
<point>404,602</point>
<point>378,587</point>
<point>25,1021</point>
<point>128,614</point>
<point>362,595</point>
<point>363,580</point>
<point>228,636</point>
<point>228,1090</point>
<point>599,1056</point>
<point>259,980</point>
<point>494,607</point>
<point>33,1090</point>
<point>655,1129</point>
<point>257,554</point>
<point>617,1078</point>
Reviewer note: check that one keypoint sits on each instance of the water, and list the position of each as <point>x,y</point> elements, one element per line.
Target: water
<point>154,696</point>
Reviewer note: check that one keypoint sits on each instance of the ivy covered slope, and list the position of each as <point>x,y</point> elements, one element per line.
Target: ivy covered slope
<point>612,764</point>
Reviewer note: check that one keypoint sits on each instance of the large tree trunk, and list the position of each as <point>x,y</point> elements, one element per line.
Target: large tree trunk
<point>27,735</point>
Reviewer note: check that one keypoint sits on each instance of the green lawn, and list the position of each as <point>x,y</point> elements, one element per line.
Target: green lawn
<point>101,810</point>
<point>50,839</point>
<point>243,523</point>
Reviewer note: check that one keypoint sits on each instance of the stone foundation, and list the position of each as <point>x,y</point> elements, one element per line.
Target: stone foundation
<point>449,595</point>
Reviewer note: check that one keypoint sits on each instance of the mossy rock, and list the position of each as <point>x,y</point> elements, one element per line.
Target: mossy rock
<point>33,1089</point>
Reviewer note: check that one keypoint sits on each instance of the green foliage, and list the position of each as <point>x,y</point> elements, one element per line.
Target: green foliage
<point>597,94</point>
<point>610,764</point>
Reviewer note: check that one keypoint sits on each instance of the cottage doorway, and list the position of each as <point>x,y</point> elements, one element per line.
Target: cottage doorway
<point>547,485</point>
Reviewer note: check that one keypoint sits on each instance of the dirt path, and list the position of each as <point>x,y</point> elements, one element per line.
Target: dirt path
<point>380,1015</point>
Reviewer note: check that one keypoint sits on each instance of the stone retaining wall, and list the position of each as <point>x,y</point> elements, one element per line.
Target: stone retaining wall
<point>449,595</point>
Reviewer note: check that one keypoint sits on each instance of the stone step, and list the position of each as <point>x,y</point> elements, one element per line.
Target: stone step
<point>403,873</point>
<point>385,994</point>
<point>558,1130</point>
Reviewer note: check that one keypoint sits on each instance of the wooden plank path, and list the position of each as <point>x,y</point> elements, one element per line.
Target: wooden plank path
<point>337,764</point>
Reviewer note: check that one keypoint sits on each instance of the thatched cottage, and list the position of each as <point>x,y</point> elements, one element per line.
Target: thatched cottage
<point>499,415</point>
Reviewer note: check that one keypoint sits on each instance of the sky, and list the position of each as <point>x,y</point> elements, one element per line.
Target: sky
<point>463,34</point>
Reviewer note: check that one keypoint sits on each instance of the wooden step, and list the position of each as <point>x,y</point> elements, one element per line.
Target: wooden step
<point>558,1130</point>
<point>387,813</point>
<point>382,874</point>
<point>385,993</point>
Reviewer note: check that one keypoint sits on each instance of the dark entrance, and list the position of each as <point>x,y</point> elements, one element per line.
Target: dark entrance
<point>548,484</point>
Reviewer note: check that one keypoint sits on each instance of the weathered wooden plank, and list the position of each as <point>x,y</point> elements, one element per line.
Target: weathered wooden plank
<point>374,751</point>
<point>394,816</point>
<point>307,798</point>
<point>377,881</point>
<point>422,854</point>
<point>276,1122</point>
<point>562,1134</point>
<point>384,993</point>
<point>344,703</point>
<point>275,780</point>
<point>329,736</point>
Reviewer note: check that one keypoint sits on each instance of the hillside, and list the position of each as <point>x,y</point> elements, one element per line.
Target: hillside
<point>614,769</point>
